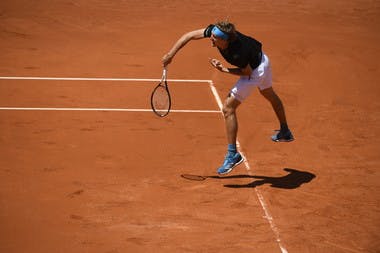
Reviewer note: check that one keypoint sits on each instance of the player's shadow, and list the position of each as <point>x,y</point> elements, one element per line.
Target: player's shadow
<point>292,180</point>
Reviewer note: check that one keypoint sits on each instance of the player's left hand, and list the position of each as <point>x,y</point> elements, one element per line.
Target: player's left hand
<point>216,64</point>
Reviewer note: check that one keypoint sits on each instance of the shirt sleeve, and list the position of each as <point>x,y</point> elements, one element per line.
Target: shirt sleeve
<point>207,31</point>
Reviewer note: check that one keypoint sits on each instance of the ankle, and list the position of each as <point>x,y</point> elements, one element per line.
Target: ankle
<point>232,148</point>
<point>284,127</point>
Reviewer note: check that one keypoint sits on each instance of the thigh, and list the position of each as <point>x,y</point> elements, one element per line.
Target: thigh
<point>243,88</point>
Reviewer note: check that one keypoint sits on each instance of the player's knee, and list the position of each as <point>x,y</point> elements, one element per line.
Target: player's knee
<point>228,111</point>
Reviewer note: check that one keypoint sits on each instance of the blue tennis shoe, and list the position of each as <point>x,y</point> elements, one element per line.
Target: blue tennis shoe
<point>231,161</point>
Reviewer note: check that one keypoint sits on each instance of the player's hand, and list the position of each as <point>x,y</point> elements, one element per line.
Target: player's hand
<point>167,59</point>
<point>216,64</point>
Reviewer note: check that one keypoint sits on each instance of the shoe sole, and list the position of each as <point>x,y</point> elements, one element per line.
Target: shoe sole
<point>236,164</point>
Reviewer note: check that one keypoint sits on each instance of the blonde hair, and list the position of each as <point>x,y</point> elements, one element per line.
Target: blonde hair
<point>228,28</point>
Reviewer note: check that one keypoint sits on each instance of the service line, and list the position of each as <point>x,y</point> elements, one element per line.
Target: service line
<point>98,109</point>
<point>100,79</point>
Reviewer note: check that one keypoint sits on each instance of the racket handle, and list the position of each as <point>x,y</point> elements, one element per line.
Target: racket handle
<point>164,72</point>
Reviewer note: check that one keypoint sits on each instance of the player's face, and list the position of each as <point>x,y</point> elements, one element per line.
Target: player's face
<point>218,42</point>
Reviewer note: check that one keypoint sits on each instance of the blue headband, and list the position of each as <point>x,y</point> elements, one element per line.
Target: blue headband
<point>218,33</point>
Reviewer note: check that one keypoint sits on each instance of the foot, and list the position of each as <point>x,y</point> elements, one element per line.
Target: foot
<point>230,162</point>
<point>283,136</point>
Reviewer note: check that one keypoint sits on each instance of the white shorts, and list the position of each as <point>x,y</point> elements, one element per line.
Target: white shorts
<point>261,77</point>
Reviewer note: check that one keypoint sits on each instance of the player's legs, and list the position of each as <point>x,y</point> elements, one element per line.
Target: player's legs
<point>241,90</point>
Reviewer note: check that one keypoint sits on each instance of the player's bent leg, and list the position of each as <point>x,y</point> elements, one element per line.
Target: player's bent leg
<point>233,158</point>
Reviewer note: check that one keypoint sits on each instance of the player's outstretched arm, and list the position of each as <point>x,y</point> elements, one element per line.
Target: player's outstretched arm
<point>193,35</point>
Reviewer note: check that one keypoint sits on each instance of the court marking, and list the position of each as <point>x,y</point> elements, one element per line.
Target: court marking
<point>259,195</point>
<point>40,78</point>
<point>98,109</point>
<point>99,79</point>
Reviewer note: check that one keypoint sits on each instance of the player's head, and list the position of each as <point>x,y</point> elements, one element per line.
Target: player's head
<point>228,29</point>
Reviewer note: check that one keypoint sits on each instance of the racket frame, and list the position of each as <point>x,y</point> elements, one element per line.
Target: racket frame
<point>163,83</point>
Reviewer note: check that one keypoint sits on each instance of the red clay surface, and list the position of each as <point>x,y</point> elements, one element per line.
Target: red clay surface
<point>111,181</point>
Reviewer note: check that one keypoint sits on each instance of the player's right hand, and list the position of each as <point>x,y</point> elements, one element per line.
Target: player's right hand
<point>167,59</point>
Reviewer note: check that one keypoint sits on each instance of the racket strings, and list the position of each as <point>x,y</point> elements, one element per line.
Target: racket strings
<point>161,100</point>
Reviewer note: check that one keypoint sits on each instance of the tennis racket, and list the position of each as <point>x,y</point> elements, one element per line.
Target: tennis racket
<point>160,99</point>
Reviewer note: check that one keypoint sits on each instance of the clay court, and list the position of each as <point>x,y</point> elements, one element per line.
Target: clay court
<point>87,167</point>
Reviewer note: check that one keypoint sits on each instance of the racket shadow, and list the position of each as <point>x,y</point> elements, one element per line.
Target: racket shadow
<point>193,177</point>
<point>294,179</point>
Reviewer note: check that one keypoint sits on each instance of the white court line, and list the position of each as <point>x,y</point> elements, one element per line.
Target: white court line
<point>99,79</point>
<point>262,201</point>
<point>98,109</point>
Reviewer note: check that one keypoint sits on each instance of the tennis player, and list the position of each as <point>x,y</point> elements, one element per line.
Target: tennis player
<point>252,65</point>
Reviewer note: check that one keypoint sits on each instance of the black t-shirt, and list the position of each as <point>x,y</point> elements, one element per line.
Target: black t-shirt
<point>242,51</point>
